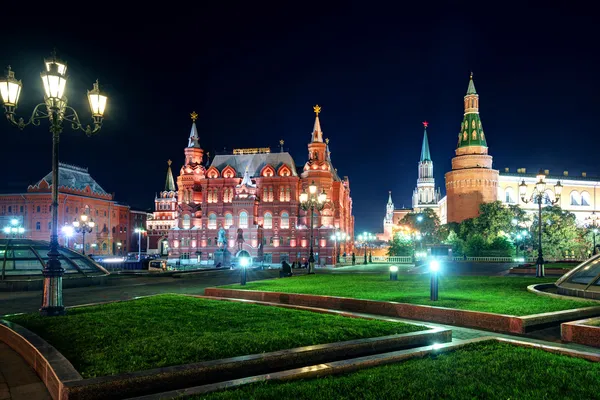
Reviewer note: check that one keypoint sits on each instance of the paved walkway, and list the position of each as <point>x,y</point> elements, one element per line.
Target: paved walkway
<point>18,381</point>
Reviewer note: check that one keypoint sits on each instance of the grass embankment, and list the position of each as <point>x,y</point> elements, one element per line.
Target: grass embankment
<point>479,371</point>
<point>560,265</point>
<point>171,330</point>
<point>501,295</point>
<point>594,322</point>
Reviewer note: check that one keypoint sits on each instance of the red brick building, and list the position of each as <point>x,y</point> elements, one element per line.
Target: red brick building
<point>78,193</point>
<point>254,194</point>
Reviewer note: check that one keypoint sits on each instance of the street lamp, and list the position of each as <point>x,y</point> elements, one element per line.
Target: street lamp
<point>538,196</point>
<point>84,225</point>
<point>139,231</point>
<point>309,202</point>
<point>593,219</point>
<point>393,273</point>
<point>244,262</point>
<point>55,109</point>
<point>338,237</point>
<point>13,229</point>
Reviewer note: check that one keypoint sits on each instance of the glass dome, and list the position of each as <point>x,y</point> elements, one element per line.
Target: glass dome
<point>583,280</point>
<point>25,258</point>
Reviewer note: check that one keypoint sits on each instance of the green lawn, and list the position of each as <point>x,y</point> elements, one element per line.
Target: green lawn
<point>168,330</point>
<point>479,371</point>
<point>594,322</point>
<point>502,295</point>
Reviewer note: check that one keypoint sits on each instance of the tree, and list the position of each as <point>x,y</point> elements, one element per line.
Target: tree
<point>426,222</point>
<point>456,242</point>
<point>560,234</point>
<point>400,245</point>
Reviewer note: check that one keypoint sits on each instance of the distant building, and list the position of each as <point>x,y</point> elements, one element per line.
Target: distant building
<point>472,180</point>
<point>78,193</point>
<point>164,217</point>
<point>254,195</point>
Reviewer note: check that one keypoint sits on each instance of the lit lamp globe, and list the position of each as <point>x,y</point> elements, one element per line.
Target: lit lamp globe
<point>541,183</point>
<point>322,197</point>
<point>55,82</point>
<point>312,188</point>
<point>10,90</point>
<point>76,224</point>
<point>97,102</point>
<point>91,224</point>
<point>303,197</point>
<point>523,189</point>
<point>558,189</point>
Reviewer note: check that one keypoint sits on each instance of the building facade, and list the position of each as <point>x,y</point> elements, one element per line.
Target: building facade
<point>254,195</point>
<point>164,217</point>
<point>473,181</point>
<point>78,194</point>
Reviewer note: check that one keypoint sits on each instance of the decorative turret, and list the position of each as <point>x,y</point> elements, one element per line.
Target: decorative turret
<point>317,150</point>
<point>170,182</point>
<point>389,210</point>
<point>193,153</point>
<point>425,195</point>
<point>471,131</point>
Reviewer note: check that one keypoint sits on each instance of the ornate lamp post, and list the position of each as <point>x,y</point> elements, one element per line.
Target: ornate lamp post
<point>139,231</point>
<point>56,111</point>
<point>593,220</point>
<point>538,196</point>
<point>84,225</point>
<point>338,237</point>
<point>311,202</point>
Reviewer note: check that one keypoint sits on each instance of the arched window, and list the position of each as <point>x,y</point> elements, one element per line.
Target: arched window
<point>268,221</point>
<point>37,209</point>
<point>38,226</point>
<point>243,219</point>
<point>212,221</point>
<point>187,220</point>
<point>285,220</point>
<point>509,195</point>
<point>575,198</point>
<point>585,199</point>
<point>104,246</point>
<point>228,220</point>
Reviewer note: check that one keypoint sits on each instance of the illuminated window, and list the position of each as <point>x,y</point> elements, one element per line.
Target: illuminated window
<point>585,199</point>
<point>228,220</point>
<point>243,219</point>
<point>575,198</point>
<point>212,221</point>
<point>268,221</point>
<point>187,220</point>
<point>509,195</point>
<point>285,220</point>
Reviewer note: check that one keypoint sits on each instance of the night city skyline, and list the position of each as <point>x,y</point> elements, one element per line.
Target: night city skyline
<point>376,77</point>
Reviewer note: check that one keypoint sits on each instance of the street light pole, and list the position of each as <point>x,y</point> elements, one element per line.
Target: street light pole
<point>538,196</point>
<point>139,231</point>
<point>593,218</point>
<point>84,225</point>
<point>55,109</point>
<point>310,202</point>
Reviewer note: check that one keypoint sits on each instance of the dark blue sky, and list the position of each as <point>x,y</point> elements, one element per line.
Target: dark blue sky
<point>253,74</point>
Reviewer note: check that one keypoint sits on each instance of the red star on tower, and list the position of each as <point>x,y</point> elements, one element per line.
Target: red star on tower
<point>425,123</point>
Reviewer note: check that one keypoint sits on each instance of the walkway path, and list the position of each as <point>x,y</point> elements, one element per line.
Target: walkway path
<point>18,381</point>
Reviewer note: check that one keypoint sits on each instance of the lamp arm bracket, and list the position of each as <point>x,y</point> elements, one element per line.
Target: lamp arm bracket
<point>37,115</point>
<point>76,124</point>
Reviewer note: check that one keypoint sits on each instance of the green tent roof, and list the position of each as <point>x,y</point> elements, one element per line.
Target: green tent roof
<point>425,155</point>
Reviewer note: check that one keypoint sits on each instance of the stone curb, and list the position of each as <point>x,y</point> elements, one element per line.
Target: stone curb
<point>64,382</point>
<point>450,316</point>
<point>351,365</point>
<point>537,289</point>
<point>581,333</point>
<point>532,271</point>
<point>50,365</point>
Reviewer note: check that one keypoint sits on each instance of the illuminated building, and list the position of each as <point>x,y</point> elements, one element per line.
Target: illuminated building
<point>254,195</point>
<point>164,216</point>
<point>78,193</point>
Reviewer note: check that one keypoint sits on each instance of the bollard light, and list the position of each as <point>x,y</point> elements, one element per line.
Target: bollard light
<point>393,273</point>
<point>434,268</point>
<point>244,262</point>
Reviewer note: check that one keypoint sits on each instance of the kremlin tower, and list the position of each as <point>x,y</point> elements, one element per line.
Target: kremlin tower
<point>472,180</point>
<point>425,195</point>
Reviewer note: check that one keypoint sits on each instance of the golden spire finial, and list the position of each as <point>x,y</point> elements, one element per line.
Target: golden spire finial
<point>471,74</point>
<point>327,140</point>
<point>194,116</point>
<point>281,142</point>
<point>169,162</point>
<point>317,109</point>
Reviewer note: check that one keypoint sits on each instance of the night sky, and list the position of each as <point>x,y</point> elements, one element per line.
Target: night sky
<point>253,74</point>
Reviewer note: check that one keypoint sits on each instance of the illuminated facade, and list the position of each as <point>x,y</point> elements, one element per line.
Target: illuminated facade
<point>164,216</point>
<point>78,193</point>
<point>254,195</point>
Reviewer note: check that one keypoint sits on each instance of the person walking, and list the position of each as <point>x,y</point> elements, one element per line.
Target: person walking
<point>353,258</point>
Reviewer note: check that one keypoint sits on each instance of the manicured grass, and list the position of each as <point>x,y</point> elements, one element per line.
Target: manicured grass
<point>480,371</point>
<point>594,322</point>
<point>169,330</point>
<point>501,295</point>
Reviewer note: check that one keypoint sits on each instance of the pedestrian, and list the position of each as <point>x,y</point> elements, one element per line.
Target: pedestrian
<point>353,258</point>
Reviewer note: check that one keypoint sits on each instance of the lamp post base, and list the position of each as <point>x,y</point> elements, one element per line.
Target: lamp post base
<point>52,297</point>
<point>539,268</point>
